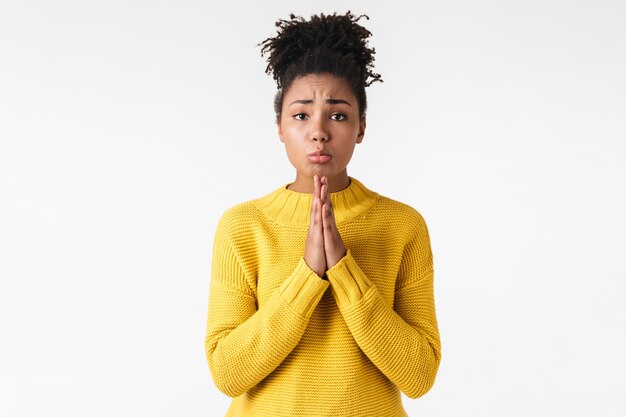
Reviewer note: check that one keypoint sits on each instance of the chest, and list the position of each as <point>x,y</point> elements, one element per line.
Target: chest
<point>278,251</point>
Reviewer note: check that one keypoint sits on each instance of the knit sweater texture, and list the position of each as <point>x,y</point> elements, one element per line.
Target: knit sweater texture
<point>283,341</point>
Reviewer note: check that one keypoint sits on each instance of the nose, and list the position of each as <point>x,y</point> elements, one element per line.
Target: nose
<point>319,132</point>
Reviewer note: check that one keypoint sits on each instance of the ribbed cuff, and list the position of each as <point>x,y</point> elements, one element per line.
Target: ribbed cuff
<point>303,289</point>
<point>347,280</point>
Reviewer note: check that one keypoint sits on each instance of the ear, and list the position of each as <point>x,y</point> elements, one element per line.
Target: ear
<point>362,124</point>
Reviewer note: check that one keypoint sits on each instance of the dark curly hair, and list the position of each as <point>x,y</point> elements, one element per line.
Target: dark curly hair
<point>333,44</point>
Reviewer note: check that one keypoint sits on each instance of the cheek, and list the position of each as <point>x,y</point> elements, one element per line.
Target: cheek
<point>346,151</point>
<point>293,151</point>
<point>348,154</point>
<point>290,131</point>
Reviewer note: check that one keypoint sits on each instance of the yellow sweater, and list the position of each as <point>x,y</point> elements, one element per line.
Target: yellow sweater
<point>283,345</point>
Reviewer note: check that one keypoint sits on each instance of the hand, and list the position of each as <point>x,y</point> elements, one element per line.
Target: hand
<point>333,244</point>
<point>314,255</point>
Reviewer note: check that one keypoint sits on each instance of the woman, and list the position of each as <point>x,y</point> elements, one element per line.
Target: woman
<point>321,300</point>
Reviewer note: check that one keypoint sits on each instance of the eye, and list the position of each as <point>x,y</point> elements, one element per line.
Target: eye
<point>338,117</point>
<point>299,116</point>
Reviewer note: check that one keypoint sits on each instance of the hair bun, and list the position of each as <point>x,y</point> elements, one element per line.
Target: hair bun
<point>340,34</point>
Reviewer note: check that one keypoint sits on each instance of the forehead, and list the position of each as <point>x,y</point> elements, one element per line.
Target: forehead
<point>320,85</point>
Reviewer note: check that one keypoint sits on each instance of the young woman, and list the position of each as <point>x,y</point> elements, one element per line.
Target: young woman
<point>321,299</point>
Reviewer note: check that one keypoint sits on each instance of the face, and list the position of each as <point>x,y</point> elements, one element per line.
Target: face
<point>320,126</point>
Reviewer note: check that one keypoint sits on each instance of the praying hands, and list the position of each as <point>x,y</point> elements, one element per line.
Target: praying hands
<point>324,246</point>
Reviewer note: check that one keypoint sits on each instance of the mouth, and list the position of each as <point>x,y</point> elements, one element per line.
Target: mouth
<point>319,157</point>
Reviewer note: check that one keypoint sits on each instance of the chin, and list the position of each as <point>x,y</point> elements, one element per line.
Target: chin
<point>323,170</point>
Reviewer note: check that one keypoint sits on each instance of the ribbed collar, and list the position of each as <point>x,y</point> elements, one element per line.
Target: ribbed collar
<point>294,208</point>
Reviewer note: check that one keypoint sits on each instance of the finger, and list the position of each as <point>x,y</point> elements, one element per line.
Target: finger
<point>316,203</point>
<point>326,227</point>
<point>319,218</point>
<point>317,212</point>
<point>324,190</point>
<point>327,193</point>
<point>329,234</point>
<point>328,202</point>
<point>327,220</point>
<point>312,216</point>
<point>332,211</point>
<point>316,186</point>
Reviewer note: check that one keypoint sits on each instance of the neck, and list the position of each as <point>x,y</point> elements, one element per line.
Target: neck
<point>304,184</point>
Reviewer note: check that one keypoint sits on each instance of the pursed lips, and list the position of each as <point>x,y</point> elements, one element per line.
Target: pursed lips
<point>318,153</point>
<point>319,157</point>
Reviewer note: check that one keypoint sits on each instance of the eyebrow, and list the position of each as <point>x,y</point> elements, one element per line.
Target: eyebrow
<point>328,101</point>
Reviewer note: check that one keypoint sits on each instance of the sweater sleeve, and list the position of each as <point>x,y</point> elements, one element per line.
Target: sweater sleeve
<point>402,340</point>
<point>245,343</point>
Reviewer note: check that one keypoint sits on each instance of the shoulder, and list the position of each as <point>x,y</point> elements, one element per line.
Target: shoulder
<point>237,213</point>
<point>238,219</point>
<point>402,214</point>
<point>243,220</point>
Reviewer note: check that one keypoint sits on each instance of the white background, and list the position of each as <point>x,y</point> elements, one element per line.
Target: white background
<point>128,127</point>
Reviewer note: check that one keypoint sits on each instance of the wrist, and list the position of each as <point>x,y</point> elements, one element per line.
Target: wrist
<point>334,261</point>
